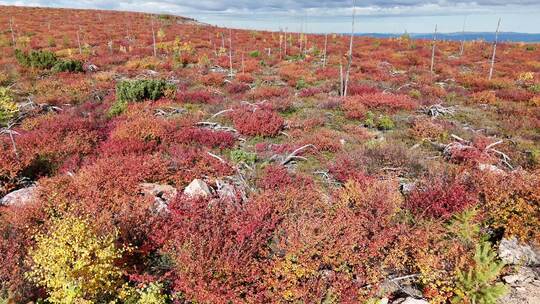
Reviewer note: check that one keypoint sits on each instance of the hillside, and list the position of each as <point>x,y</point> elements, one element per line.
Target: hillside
<point>154,159</point>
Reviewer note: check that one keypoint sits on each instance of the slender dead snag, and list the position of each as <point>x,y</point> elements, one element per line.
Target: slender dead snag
<point>494,50</point>
<point>340,78</point>
<point>350,55</point>
<point>230,54</point>
<point>325,48</point>
<point>13,42</point>
<point>294,154</point>
<point>433,50</point>
<point>222,40</point>
<point>154,37</point>
<point>462,48</point>
<point>285,51</point>
<point>79,40</point>
<point>280,43</point>
<point>243,69</point>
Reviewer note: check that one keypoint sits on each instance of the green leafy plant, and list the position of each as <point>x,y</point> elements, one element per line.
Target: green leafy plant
<point>254,54</point>
<point>370,120</point>
<point>239,156</point>
<point>385,123</point>
<point>476,285</point>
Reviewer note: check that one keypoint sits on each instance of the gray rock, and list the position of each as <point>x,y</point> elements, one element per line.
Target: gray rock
<point>410,300</point>
<point>525,293</point>
<point>226,191</point>
<point>522,276</point>
<point>163,194</point>
<point>19,197</point>
<point>512,252</point>
<point>197,188</point>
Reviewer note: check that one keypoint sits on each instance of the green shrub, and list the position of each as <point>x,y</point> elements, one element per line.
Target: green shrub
<point>369,122</point>
<point>477,284</point>
<point>254,54</point>
<point>135,91</point>
<point>385,123</point>
<point>36,59</point>
<point>242,156</point>
<point>535,88</point>
<point>68,66</point>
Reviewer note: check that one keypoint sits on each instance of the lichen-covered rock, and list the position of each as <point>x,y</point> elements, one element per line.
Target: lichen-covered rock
<point>411,300</point>
<point>162,194</point>
<point>19,197</point>
<point>512,252</point>
<point>197,188</point>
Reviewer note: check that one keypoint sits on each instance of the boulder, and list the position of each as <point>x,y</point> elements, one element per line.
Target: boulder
<point>524,287</point>
<point>197,188</point>
<point>512,252</point>
<point>163,194</point>
<point>19,197</point>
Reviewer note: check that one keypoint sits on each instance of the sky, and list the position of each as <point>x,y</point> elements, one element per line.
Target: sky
<point>318,16</point>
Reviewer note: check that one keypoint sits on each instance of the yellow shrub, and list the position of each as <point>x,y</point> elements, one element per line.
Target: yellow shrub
<point>74,264</point>
<point>8,108</point>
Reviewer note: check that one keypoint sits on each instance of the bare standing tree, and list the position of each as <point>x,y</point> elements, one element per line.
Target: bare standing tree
<point>462,49</point>
<point>433,50</point>
<point>350,55</point>
<point>153,37</point>
<point>79,40</point>
<point>494,49</point>
<point>231,73</point>
<point>325,48</point>
<point>285,47</point>
<point>14,43</point>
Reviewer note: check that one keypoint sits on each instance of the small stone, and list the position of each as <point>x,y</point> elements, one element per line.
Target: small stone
<point>197,188</point>
<point>523,275</point>
<point>19,197</point>
<point>411,300</point>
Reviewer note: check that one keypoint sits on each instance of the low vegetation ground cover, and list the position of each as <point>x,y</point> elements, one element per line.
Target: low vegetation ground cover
<point>312,197</point>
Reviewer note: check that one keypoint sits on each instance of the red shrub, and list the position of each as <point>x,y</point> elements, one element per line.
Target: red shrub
<point>216,247</point>
<point>206,138</point>
<point>213,79</point>
<point>275,177</point>
<point>312,91</point>
<point>237,87</point>
<point>258,122</point>
<point>361,89</point>
<point>268,92</point>
<point>384,101</point>
<point>514,94</point>
<point>187,163</point>
<point>440,197</point>
<point>245,78</point>
<point>199,96</point>
<point>354,108</point>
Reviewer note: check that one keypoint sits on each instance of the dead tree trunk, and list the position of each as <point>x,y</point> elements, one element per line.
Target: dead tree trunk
<point>462,48</point>
<point>340,78</point>
<point>325,49</point>
<point>350,57</point>
<point>154,38</point>
<point>79,40</point>
<point>494,50</point>
<point>13,42</point>
<point>231,73</point>
<point>433,50</point>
